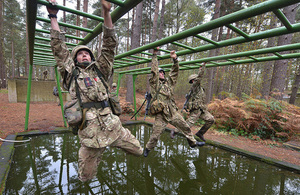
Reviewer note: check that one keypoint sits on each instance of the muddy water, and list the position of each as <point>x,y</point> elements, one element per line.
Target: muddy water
<point>48,165</point>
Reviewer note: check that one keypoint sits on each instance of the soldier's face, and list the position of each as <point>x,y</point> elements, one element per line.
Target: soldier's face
<point>161,75</point>
<point>83,56</point>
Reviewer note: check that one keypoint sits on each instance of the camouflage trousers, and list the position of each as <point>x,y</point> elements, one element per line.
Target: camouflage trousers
<point>101,132</point>
<point>160,124</point>
<point>195,115</point>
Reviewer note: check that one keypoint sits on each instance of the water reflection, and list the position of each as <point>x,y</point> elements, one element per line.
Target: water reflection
<point>49,165</point>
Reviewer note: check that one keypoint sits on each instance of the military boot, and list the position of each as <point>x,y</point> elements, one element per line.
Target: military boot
<point>193,145</point>
<point>200,135</point>
<point>203,130</point>
<point>146,152</point>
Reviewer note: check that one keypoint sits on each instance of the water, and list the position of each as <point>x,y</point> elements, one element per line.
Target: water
<point>48,165</point>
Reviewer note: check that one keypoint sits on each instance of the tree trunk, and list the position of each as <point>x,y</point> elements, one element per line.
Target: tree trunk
<point>162,19</point>
<point>78,20</point>
<point>211,71</point>
<point>280,66</point>
<point>135,42</point>
<point>154,35</point>
<point>84,19</point>
<point>64,15</point>
<point>267,68</point>
<point>295,86</point>
<point>2,65</point>
<point>12,60</point>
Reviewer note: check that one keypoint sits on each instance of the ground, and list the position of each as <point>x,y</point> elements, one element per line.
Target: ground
<point>47,116</point>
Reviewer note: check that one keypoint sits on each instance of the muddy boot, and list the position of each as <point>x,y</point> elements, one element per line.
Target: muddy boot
<point>172,134</point>
<point>146,152</point>
<point>200,135</point>
<point>192,145</point>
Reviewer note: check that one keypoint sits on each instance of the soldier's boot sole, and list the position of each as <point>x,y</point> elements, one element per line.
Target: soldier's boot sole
<point>146,152</point>
<point>193,145</point>
<point>172,134</point>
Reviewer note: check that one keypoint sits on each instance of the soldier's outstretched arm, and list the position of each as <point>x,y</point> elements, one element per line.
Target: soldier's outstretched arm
<point>197,80</point>
<point>59,48</point>
<point>52,10</point>
<point>175,68</point>
<point>106,6</point>
<point>202,69</point>
<point>154,68</point>
<point>106,59</point>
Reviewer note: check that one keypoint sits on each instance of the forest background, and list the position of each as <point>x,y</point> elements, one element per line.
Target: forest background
<point>153,20</point>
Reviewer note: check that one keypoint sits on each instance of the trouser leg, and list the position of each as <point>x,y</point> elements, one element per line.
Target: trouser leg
<point>128,143</point>
<point>158,128</point>
<point>88,161</point>
<point>179,122</point>
<point>193,118</point>
<point>209,121</point>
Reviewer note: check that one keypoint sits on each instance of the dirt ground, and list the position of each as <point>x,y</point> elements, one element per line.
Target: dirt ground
<point>47,116</point>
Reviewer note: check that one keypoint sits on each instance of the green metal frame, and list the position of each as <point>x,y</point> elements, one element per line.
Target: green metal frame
<point>40,52</point>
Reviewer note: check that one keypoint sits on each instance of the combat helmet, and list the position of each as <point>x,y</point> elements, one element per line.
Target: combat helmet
<point>192,77</point>
<point>114,85</point>
<point>81,47</point>
<point>161,70</point>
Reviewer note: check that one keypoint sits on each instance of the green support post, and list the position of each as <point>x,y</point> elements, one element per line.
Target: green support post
<point>119,82</point>
<point>28,97</point>
<point>60,95</point>
<point>134,96</point>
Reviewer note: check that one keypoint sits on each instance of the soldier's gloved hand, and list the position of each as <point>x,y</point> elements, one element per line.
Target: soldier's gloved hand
<point>155,50</point>
<point>52,9</point>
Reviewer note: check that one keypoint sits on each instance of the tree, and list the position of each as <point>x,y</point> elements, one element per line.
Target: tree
<point>162,15</point>
<point>267,68</point>
<point>84,19</point>
<point>211,71</point>
<point>14,34</point>
<point>295,86</point>
<point>2,65</point>
<point>135,42</point>
<point>280,66</point>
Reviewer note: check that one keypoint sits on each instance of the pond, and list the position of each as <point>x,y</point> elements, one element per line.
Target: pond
<point>48,165</point>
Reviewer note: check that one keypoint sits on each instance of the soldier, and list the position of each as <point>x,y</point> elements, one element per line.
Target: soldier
<point>197,106</point>
<point>45,73</point>
<point>163,105</point>
<point>113,88</point>
<point>102,128</point>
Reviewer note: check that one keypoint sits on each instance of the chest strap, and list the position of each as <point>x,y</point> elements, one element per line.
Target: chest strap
<point>102,104</point>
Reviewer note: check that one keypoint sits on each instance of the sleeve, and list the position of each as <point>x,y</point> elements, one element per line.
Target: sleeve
<point>199,77</point>
<point>105,60</point>
<point>64,61</point>
<point>173,74</point>
<point>61,52</point>
<point>154,73</point>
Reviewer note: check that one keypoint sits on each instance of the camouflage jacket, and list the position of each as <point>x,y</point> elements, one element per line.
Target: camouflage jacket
<point>197,99</point>
<point>164,87</point>
<point>91,87</point>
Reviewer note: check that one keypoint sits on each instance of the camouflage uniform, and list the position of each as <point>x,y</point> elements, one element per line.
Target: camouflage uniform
<point>102,127</point>
<point>169,111</point>
<point>197,106</point>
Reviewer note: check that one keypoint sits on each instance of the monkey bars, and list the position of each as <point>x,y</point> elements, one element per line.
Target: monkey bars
<point>40,52</point>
